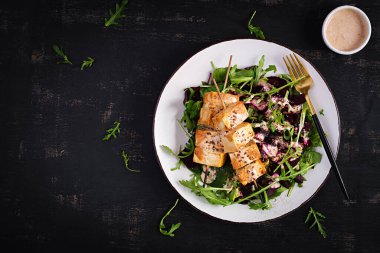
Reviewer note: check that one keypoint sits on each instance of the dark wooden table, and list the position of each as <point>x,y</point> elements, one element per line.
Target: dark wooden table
<point>63,189</point>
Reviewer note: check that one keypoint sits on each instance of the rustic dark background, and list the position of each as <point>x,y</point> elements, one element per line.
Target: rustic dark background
<point>64,190</point>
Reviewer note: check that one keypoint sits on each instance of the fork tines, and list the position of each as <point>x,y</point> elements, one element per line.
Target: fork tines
<point>295,67</point>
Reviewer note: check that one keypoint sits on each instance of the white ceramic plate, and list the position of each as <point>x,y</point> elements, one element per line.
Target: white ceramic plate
<point>246,52</point>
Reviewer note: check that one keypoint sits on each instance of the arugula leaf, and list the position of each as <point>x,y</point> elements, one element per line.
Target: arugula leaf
<point>173,228</point>
<point>59,51</point>
<point>321,112</point>
<point>219,74</point>
<point>318,219</point>
<point>208,89</point>
<point>310,157</point>
<point>302,121</point>
<point>169,150</point>
<point>114,16</point>
<point>214,195</point>
<point>112,132</point>
<point>256,205</point>
<point>191,114</point>
<point>260,71</point>
<point>189,146</point>
<point>255,29</point>
<point>178,165</point>
<point>278,192</point>
<point>314,136</point>
<point>286,77</point>
<point>222,175</point>
<point>87,63</point>
<point>126,161</point>
<point>263,205</point>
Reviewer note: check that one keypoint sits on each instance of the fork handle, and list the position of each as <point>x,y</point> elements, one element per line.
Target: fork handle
<point>329,153</point>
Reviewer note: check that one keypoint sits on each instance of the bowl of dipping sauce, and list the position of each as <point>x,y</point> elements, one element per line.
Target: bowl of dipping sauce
<point>346,30</point>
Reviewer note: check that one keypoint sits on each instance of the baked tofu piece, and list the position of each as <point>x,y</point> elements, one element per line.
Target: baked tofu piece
<point>245,155</point>
<point>230,117</point>
<point>251,172</point>
<point>212,105</point>
<point>209,140</point>
<point>212,100</point>
<point>206,115</point>
<point>214,159</point>
<point>238,137</point>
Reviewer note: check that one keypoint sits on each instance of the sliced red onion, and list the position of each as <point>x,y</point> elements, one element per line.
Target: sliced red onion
<point>258,104</point>
<point>274,178</point>
<point>270,150</point>
<point>260,136</point>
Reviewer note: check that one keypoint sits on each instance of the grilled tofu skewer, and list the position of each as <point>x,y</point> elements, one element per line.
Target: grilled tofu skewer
<point>224,107</point>
<point>225,115</point>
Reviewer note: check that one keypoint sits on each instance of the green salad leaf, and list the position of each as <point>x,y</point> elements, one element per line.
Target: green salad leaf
<point>112,132</point>
<point>59,51</point>
<point>310,157</point>
<point>214,195</point>
<point>318,219</point>
<point>255,29</point>
<point>173,227</point>
<point>125,157</point>
<point>115,16</point>
<point>191,114</point>
<point>87,63</point>
<point>314,137</point>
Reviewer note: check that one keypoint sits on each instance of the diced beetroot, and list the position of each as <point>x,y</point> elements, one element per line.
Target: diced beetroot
<point>307,125</point>
<point>281,143</point>
<point>271,191</point>
<point>247,189</point>
<point>196,96</point>
<point>299,179</point>
<point>276,81</point>
<point>285,183</point>
<point>297,99</point>
<point>293,162</point>
<point>188,161</point>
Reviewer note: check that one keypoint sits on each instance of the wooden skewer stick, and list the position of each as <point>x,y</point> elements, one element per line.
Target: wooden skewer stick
<point>228,72</point>
<point>224,107</point>
<point>206,174</point>
<point>220,96</point>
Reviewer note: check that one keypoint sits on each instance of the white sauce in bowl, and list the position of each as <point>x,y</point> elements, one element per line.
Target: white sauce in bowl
<point>346,30</point>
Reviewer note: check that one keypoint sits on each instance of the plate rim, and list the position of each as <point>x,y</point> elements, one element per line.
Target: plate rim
<point>245,222</point>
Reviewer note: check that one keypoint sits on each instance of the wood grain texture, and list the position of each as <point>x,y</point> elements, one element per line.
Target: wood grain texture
<point>63,189</point>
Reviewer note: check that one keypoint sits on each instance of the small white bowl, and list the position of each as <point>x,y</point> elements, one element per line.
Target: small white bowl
<point>366,22</point>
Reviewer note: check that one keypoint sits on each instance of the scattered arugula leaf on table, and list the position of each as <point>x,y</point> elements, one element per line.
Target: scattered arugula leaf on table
<point>87,63</point>
<point>173,228</point>
<point>318,219</point>
<point>126,161</point>
<point>322,112</point>
<point>59,51</point>
<point>114,16</point>
<point>112,132</point>
<point>255,29</point>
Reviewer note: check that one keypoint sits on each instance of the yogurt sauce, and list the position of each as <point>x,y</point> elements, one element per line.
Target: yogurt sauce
<point>346,30</point>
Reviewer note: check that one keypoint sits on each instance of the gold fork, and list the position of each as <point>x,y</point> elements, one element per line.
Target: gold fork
<point>298,71</point>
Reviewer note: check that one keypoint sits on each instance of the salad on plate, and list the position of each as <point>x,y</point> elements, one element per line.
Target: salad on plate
<point>251,136</point>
